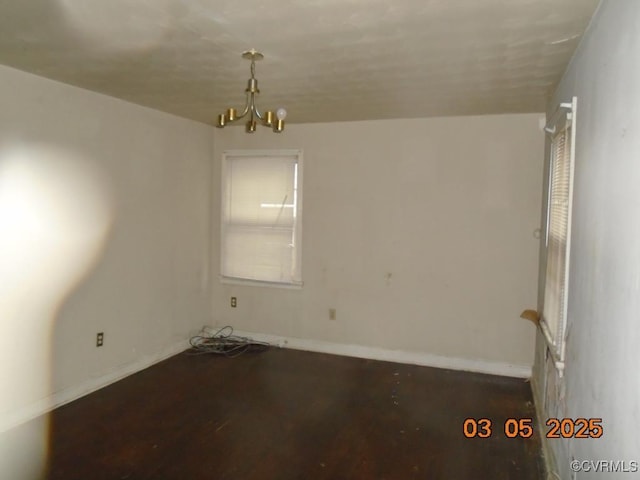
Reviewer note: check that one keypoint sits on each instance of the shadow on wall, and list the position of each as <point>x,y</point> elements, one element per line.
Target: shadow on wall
<point>55,213</point>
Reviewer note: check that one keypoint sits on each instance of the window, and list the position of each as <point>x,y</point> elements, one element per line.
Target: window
<point>558,228</point>
<point>262,217</point>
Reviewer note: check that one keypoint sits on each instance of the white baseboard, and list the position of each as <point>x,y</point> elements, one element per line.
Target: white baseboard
<point>59,398</point>
<point>398,356</point>
<point>548,456</point>
<point>69,394</point>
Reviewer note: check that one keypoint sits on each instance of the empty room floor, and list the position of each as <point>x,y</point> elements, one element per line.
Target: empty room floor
<point>287,414</point>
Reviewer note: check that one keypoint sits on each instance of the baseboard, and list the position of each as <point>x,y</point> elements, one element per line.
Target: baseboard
<point>69,394</point>
<point>398,356</point>
<point>548,456</point>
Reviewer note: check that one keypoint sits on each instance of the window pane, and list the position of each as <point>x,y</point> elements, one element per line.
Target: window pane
<point>260,217</point>
<point>259,254</point>
<point>261,191</point>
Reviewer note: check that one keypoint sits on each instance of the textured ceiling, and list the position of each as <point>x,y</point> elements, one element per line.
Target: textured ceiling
<point>325,60</point>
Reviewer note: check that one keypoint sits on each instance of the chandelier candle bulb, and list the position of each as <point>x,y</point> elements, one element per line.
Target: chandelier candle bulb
<point>267,119</point>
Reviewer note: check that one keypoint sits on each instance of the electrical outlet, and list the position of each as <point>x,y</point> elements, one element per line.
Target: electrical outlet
<point>100,339</point>
<point>234,302</point>
<point>332,314</point>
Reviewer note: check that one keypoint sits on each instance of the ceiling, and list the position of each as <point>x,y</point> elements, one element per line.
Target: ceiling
<point>325,60</point>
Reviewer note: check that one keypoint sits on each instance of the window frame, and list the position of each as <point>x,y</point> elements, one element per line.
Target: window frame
<point>562,123</point>
<point>227,156</point>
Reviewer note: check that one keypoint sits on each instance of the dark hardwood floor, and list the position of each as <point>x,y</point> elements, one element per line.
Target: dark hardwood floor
<point>287,414</point>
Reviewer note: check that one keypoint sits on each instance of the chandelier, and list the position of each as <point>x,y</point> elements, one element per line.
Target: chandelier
<point>268,118</point>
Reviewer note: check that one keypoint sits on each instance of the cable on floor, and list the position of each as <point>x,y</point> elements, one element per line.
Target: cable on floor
<point>224,342</point>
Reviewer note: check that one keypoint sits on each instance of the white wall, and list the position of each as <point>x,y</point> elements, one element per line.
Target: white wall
<point>418,232</point>
<point>603,335</point>
<point>104,226</point>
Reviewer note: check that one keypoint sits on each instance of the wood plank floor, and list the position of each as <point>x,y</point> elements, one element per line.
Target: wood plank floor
<point>286,414</point>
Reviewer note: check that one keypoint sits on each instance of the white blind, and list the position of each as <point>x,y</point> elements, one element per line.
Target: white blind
<point>260,217</point>
<point>555,295</point>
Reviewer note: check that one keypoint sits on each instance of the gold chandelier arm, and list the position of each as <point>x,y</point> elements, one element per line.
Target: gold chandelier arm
<point>232,115</point>
<point>256,111</point>
<point>247,107</point>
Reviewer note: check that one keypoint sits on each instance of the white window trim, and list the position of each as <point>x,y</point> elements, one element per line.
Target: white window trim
<point>296,285</point>
<point>563,118</point>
